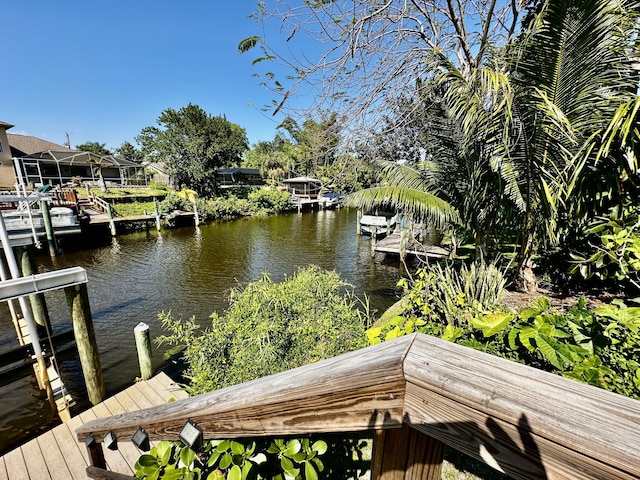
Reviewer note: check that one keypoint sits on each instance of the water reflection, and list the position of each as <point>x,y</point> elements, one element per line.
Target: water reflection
<point>187,271</point>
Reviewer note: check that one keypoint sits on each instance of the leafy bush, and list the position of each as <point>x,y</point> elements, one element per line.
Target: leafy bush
<point>261,459</point>
<point>598,346</point>
<point>268,328</point>
<point>269,200</point>
<point>615,247</point>
<point>172,202</point>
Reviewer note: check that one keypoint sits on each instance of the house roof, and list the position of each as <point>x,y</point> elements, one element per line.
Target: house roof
<point>6,125</point>
<point>22,145</point>
<point>71,157</point>
<point>243,171</point>
<point>301,180</point>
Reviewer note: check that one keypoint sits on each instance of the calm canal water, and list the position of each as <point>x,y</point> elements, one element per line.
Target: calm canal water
<point>187,271</point>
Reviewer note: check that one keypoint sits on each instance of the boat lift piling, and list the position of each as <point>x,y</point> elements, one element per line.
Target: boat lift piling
<point>48,227</point>
<point>26,313</point>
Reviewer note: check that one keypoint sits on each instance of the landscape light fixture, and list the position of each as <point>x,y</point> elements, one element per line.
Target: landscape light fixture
<point>191,435</point>
<point>110,441</point>
<point>141,440</point>
<point>90,441</point>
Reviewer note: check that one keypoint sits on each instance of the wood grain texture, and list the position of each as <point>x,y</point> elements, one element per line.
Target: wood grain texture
<point>406,454</point>
<point>356,391</point>
<point>592,422</point>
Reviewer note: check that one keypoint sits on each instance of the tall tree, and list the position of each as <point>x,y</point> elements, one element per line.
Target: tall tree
<point>192,145</point>
<point>93,147</point>
<point>129,152</point>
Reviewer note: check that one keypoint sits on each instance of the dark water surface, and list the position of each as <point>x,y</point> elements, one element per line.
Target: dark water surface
<point>188,272</point>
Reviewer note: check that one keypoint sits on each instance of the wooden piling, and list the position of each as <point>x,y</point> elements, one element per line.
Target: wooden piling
<point>374,239</point>
<point>195,213</point>
<point>78,300</point>
<point>388,226</point>
<point>38,303</point>
<point>48,227</point>
<point>358,226</point>
<point>112,224</point>
<point>156,212</point>
<point>143,346</point>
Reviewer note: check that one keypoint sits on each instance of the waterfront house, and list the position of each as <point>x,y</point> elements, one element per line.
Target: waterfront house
<point>7,173</point>
<point>40,162</point>
<point>303,187</point>
<point>239,177</point>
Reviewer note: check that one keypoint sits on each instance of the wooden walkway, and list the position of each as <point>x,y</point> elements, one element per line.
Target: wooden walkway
<point>391,244</point>
<point>57,454</point>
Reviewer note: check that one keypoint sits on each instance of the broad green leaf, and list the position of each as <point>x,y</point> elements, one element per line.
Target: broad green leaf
<point>492,323</point>
<point>320,447</point>
<point>235,473</point>
<point>310,472</point>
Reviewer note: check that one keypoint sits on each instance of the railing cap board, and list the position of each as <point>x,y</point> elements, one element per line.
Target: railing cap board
<point>357,391</point>
<point>530,423</point>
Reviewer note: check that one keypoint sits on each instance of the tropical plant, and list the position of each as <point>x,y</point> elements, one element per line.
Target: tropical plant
<point>192,144</point>
<point>269,327</point>
<point>614,247</point>
<point>232,460</point>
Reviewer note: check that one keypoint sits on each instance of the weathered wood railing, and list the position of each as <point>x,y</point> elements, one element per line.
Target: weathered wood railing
<point>416,394</point>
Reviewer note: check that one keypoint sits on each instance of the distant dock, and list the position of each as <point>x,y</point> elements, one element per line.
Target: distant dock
<point>392,244</point>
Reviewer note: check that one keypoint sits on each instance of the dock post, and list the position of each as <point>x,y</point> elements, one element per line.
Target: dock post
<point>48,227</point>
<point>143,346</point>
<point>156,212</point>
<point>112,225</point>
<point>374,240</point>
<point>358,226</point>
<point>78,300</point>
<point>195,212</point>
<point>388,227</point>
<point>37,300</point>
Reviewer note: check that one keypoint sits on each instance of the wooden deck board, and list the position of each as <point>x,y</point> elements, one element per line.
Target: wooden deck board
<point>56,463</point>
<point>57,454</point>
<point>36,464</point>
<point>15,465</point>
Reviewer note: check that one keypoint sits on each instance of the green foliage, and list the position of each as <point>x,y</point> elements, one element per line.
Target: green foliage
<point>172,202</point>
<point>93,147</point>
<point>615,247</point>
<point>598,346</point>
<point>269,200</point>
<point>270,327</point>
<point>231,460</point>
<point>192,144</point>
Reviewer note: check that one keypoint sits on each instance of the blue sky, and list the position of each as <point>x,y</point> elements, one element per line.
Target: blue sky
<point>102,71</point>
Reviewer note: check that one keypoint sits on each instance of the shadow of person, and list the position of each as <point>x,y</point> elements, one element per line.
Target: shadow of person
<point>515,457</point>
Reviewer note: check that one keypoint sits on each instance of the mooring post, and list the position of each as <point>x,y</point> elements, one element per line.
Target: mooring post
<point>195,212</point>
<point>388,226</point>
<point>374,239</point>
<point>78,300</point>
<point>156,211</point>
<point>38,303</point>
<point>358,219</point>
<point>112,224</point>
<point>48,228</point>
<point>143,346</point>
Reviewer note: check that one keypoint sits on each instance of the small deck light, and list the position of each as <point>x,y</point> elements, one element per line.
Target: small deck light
<point>111,441</point>
<point>191,435</point>
<point>141,440</point>
<point>90,441</point>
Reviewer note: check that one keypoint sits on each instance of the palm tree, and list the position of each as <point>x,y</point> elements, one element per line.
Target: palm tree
<point>538,111</point>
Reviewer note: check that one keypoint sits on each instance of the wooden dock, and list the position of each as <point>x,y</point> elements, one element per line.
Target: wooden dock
<point>392,244</point>
<point>57,454</point>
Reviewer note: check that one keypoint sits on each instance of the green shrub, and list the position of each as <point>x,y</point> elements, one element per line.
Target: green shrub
<point>615,248</point>
<point>269,200</point>
<point>268,328</point>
